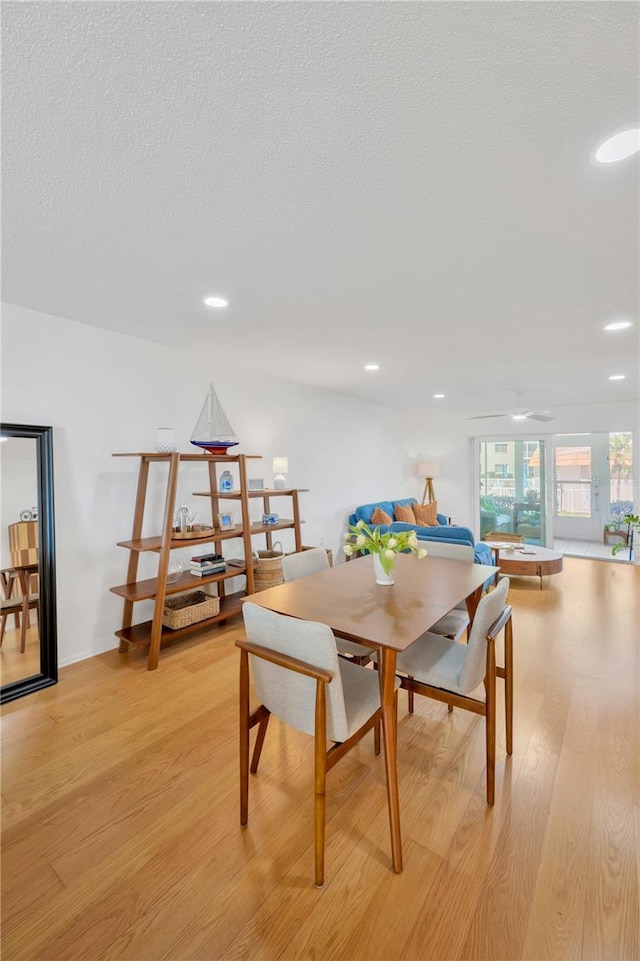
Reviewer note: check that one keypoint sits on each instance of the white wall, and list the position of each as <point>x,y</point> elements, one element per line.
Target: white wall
<point>104,392</point>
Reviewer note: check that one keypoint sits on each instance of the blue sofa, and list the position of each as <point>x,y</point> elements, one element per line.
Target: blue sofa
<point>445,532</point>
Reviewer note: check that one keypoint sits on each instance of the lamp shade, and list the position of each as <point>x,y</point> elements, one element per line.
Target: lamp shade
<point>280,465</point>
<point>427,468</point>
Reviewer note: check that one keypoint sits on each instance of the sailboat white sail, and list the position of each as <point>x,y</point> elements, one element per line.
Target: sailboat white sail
<point>213,432</point>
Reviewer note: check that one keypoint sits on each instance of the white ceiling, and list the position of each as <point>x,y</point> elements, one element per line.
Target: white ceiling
<point>406,183</point>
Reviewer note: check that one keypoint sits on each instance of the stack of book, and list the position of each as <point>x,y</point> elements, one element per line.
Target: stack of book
<point>205,564</point>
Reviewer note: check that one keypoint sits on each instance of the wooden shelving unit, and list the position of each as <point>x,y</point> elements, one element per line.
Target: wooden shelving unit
<point>152,633</point>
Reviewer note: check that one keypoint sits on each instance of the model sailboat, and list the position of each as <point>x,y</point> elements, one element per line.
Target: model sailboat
<point>213,432</point>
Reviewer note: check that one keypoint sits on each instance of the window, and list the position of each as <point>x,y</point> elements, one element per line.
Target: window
<point>501,448</point>
<point>502,470</point>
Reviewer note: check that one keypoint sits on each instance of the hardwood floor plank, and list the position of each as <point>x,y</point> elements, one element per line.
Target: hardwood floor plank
<point>555,928</point>
<point>501,916</point>
<point>612,910</point>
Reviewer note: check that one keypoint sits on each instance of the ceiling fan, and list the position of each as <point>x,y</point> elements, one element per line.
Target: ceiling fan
<point>517,414</point>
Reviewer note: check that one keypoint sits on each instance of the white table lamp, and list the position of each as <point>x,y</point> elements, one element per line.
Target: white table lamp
<point>428,469</point>
<point>280,468</point>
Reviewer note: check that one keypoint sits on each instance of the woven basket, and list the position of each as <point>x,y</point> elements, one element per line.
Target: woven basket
<point>189,609</point>
<point>267,569</point>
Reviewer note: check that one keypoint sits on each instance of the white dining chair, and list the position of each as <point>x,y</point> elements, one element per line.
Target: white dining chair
<point>437,667</point>
<point>311,562</point>
<point>299,678</point>
<point>455,623</point>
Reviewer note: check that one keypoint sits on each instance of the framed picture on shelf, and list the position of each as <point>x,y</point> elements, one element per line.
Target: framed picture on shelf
<point>256,483</point>
<point>225,521</point>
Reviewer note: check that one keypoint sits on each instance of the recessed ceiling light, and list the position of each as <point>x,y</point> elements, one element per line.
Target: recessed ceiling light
<point>438,396</point>
<point>619,325</point>
<point>372,366</point>
<point>215,301</point>
<point>518,417</point>
<point>619,147</point>
<point>617,377</point>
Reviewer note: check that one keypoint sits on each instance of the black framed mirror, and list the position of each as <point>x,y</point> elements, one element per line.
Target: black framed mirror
<point>29,651</point>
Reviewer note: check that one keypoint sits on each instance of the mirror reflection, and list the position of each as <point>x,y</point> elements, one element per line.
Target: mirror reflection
<point>28,643</point>
<point>19,574</point>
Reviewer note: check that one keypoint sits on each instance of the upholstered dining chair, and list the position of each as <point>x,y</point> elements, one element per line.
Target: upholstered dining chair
<point>448,671</point>
<point>311,562</point>
<point>455,623</point>
<point>299,678</point>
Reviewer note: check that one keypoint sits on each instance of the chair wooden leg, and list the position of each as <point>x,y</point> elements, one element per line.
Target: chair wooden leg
<point>490,720</point>
<point>320,780</point>
<point>376,737</point>
<point>508,683</point>
<point>244,738</point>
<point>410,701</point>
<point>25,624</point>
<point>257,747</point>
<point>450,708</point>
<point>2,627</point>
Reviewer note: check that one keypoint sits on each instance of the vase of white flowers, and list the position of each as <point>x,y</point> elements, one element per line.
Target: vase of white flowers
<point>384,547</point>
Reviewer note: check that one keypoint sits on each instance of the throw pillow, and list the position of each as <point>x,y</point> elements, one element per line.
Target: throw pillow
<point>404,514</point>
<point>426,514</point>
<point>380,517</point>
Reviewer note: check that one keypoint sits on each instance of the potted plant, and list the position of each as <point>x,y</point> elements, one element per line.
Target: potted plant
<point>631,520</point>
<point>384,547</point>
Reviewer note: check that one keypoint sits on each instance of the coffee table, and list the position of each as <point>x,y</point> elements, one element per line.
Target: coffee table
<point>530,561</point>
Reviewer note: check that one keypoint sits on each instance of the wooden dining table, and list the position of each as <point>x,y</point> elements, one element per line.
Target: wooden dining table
<point>387,618</point>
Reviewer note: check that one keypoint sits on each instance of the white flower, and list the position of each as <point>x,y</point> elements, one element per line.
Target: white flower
<point>360,539</point>
<point>413,540</point>
<point>421,553</point>
<point>389,555</point>
<point>392,542</point>
<point>347,535</point>
<point>348,549</point>
<point>360,524</point>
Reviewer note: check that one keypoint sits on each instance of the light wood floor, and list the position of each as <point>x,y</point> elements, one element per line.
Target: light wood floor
<point>15,665</point>
<point>121,839</point>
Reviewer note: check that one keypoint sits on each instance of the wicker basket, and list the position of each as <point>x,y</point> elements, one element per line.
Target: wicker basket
<point>267,569</point>
<point>189,609</point>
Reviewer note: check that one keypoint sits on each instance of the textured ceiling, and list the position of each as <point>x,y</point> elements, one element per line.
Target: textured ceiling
<point>406,183</point>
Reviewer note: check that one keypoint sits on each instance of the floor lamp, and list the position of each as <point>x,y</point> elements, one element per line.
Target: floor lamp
<point>428,470</point>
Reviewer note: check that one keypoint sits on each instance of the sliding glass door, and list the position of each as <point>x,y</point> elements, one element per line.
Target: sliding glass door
<point>589,485</point>
<point>513,489</point>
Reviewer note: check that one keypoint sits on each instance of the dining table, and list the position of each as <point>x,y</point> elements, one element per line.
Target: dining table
<point>387,618</point>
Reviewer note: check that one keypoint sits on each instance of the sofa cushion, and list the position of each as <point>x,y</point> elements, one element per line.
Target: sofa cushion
<point>365,511</point>
<point>380,517</point>
<point>404,514</point>
<point>426,514</point>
